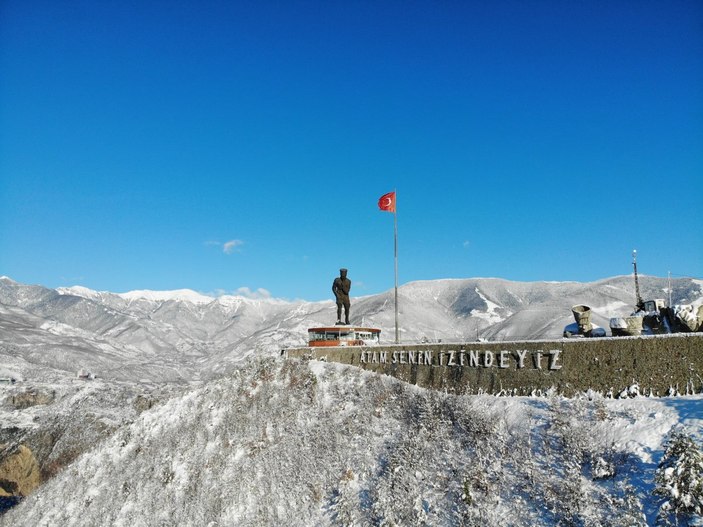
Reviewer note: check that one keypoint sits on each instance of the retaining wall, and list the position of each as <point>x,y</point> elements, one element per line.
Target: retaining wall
<point>657,364</point>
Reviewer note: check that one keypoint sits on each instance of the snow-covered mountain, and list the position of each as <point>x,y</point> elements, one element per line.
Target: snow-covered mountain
<point>184,335</point>
<point>253,440</point>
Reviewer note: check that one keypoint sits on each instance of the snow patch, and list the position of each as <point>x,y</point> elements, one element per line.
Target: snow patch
<point>490,315</point>
<point>185,295</point>
<point>78,290</point>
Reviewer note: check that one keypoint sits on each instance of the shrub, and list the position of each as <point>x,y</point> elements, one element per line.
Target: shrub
<point>679,480</point>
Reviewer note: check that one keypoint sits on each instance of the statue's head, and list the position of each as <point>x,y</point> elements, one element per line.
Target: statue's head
<point>343,273</point>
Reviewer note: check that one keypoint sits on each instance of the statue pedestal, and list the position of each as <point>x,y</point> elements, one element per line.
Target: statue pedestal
<point>344,335</point>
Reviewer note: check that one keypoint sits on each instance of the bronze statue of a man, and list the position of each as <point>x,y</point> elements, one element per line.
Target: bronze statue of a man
<point>341,287</point>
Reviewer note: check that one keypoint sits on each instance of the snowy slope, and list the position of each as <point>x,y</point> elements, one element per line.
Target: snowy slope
<point>298,443</point>
<point>245,439</point>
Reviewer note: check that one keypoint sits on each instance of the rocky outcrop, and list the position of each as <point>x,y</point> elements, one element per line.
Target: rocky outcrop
<point>31,397</point>
<point>143,402</point>
<point>19,472</point>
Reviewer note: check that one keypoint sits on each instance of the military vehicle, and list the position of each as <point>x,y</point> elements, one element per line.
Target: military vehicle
<point>655,317</point>
<point>651,317</point>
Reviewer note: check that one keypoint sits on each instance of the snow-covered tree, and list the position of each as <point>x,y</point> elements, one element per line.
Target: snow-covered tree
<point>679,480</point>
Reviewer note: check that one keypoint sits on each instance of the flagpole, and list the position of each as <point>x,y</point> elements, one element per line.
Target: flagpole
<point>387,202</point>
<point>395,247</point>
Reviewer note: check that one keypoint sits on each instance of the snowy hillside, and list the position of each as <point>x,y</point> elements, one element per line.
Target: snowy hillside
<point>183,335</point>
<point>298,443</point>
<point>196,420</point>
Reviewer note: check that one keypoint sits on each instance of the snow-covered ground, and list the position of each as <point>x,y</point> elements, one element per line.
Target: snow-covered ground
<point>290,442</point>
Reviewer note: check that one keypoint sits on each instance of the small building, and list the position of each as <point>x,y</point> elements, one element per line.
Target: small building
<point>344,336</point>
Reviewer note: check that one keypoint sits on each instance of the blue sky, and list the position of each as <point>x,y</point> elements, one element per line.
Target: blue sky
<point>238,146</point>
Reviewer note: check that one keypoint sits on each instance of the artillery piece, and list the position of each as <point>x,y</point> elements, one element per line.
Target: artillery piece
<point>655,317</point>
<point>651,317</point>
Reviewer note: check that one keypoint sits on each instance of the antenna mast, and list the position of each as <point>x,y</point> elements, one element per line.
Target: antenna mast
<point>639,304</point>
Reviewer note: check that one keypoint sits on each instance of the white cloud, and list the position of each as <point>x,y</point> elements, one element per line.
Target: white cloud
<point>231,246</point>
<point>248,293</point>
<point>227,247</point>
<point>466,244</point>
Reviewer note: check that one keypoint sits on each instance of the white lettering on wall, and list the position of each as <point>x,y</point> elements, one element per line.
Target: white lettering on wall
<point>537,357</point>
<point>553,358</point>
<point>488,359</point>
<point>472,358</point>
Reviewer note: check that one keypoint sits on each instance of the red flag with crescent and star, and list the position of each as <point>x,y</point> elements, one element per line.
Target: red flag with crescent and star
<point>387,202</point>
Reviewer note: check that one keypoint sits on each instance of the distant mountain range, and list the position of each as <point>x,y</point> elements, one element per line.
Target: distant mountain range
<point>183,335</point>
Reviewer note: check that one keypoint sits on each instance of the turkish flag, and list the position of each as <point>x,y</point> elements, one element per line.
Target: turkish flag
<point>387,202</point>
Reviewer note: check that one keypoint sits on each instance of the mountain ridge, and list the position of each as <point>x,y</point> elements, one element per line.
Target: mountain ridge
<point>170,337</point>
